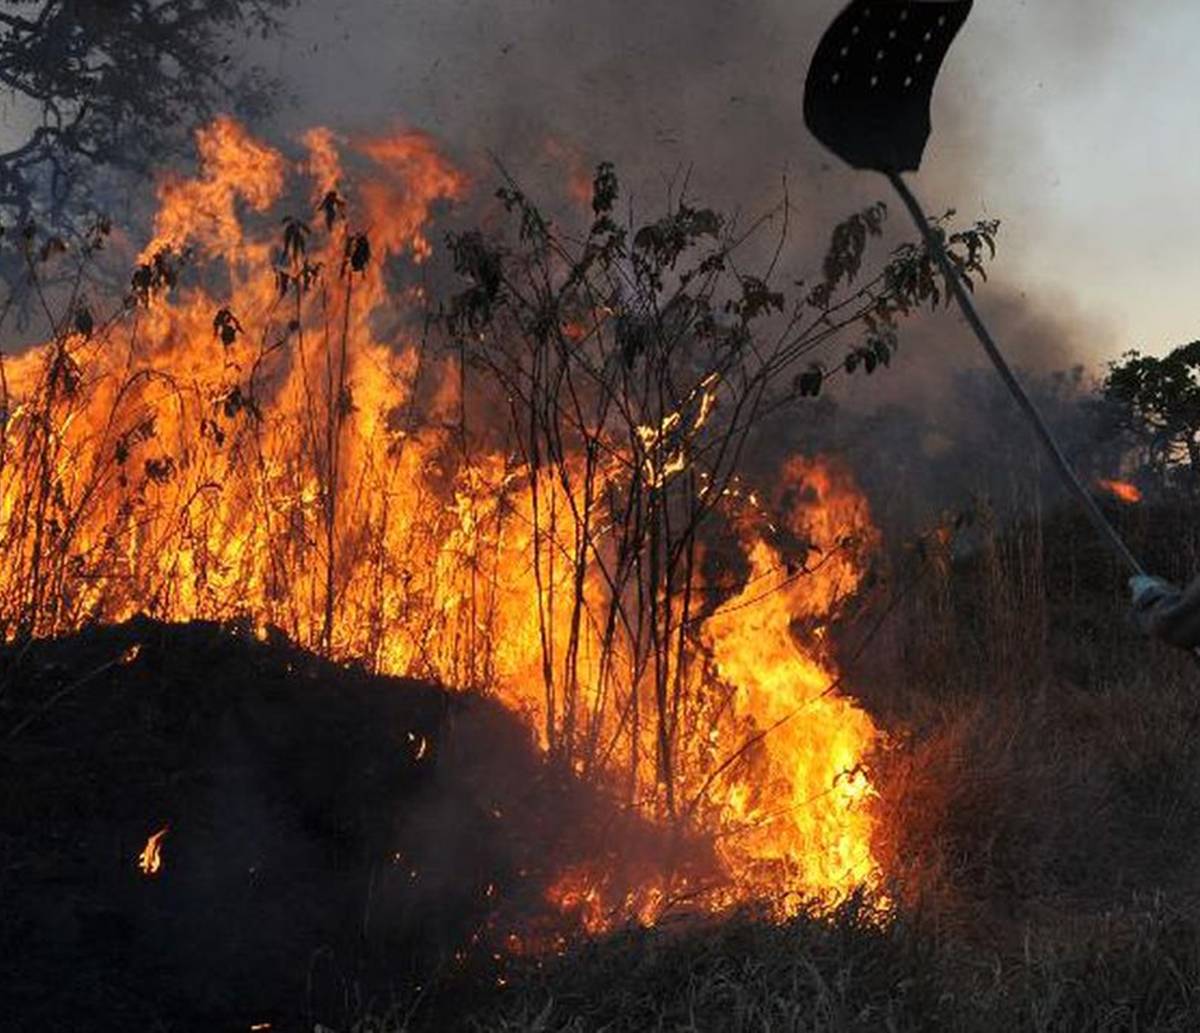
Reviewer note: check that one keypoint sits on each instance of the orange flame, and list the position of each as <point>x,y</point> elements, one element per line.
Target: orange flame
<point>263,436</point>
<point>1128,493</point>
<point>801,800</point>
<point>150,859</point>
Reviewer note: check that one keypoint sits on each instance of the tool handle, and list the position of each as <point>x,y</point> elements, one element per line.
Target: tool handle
<point>955,285</point>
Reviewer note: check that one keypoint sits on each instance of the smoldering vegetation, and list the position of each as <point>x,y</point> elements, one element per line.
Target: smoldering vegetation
<point>1039,793</point>
<point>1035,839</point>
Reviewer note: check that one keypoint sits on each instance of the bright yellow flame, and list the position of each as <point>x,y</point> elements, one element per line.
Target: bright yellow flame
<point>150,859</point>
<point>799,801</point>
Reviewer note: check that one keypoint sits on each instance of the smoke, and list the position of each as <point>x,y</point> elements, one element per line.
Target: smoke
<point>708,93</point>
<point>714,85</point>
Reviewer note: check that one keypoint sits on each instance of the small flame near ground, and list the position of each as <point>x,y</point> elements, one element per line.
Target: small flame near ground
<point>150,860</point>
<point>1125,492</point>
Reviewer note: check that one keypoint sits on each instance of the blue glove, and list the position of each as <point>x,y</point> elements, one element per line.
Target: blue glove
<point>1146,590</point>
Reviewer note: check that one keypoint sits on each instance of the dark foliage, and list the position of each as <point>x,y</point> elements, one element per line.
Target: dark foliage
<point>112,82</point>
<point>1155,402</point>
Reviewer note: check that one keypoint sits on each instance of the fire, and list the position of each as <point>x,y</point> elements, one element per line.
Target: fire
<point>1128,493</point>
<point>800,800</point>
<point>150,859</point>
<point>263,433</point>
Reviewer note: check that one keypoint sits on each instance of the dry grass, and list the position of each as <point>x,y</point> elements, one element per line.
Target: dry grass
<point>1041,798</point>
<point>1040,801</point>
<point>1042,805</point>
<point>1137,973</point>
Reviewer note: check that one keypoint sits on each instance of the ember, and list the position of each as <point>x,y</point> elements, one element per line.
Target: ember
<point>1128,493</point>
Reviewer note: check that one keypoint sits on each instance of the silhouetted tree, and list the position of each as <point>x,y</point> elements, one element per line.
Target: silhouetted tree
<point>1157,404</point>
<point>112,82</point>
<point>638,363</point>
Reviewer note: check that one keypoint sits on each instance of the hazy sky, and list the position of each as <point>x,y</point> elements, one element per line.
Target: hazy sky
<point>1075,122</point>
<point>1098,189</point>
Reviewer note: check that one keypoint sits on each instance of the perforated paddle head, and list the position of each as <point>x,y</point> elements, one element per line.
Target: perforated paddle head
<point>871,79</point>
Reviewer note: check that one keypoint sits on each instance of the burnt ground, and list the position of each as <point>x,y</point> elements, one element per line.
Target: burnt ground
<point>337,842</point>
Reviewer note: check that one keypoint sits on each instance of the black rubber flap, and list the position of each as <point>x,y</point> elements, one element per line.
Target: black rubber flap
<point>871,79</point>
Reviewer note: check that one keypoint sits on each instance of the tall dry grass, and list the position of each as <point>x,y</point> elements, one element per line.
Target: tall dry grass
<point>1041,796</point>
<point>1046,760</point>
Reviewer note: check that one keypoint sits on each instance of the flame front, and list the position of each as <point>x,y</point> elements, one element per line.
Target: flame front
<point>264,434</point>
<point>801,802</point>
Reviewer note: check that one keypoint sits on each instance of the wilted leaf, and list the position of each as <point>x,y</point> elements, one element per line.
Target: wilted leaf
<point>605,189</point>
<point>84,324</point>
<point>295,238</point>
<point>226,326</point>
<point>848,243</point>
<point>332,206</point>
<point>357,254</point>
<point>808,384</point>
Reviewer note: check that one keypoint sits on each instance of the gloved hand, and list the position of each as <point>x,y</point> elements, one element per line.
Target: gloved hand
<point>1164,612</point>
<point>1146,590</point>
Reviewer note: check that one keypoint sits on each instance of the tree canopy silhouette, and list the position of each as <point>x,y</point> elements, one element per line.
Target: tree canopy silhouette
<point>112,82</point>
<point>1157,402</point>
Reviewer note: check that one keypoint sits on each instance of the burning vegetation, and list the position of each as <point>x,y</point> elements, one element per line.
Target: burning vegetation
<point>533,492</point>
<point>383,620</point>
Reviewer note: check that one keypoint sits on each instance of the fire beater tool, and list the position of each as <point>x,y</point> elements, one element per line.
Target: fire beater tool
<point>867,99</point>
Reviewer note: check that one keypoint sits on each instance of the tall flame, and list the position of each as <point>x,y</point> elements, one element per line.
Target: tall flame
<point>802,801</point>
<point>262,433</point>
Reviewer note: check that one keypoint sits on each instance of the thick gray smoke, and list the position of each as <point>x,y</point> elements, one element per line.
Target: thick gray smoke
<point>710,90</point>
<point>711,86</point>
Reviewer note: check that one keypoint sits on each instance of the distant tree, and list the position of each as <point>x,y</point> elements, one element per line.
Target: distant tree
<point>111,82</point>
<point>1156,402</point>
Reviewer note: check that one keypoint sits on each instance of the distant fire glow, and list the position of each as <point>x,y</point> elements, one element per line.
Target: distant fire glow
<point>264,437</point>
<point>150,860</point>
<point>1125,492</point>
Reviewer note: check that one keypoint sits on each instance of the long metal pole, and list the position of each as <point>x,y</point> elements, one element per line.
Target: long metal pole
<point>955,285</point>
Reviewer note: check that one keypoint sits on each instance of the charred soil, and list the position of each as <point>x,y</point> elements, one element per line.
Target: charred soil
<point>333,840</point>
